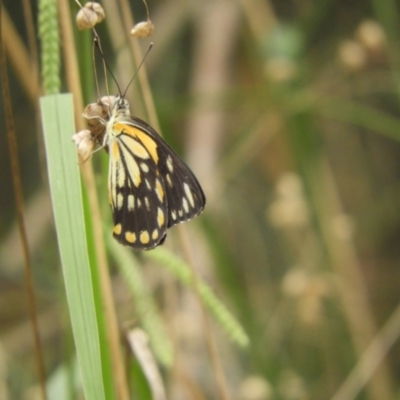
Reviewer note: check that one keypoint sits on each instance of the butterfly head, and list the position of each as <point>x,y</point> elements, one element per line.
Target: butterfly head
<point>121,107</point>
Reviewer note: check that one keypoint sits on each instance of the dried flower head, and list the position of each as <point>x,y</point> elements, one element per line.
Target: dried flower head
<point>255,387</point>
<point>108,101</point>
<point>372,36</point>
<point>84,142</point>
<point>99,110</point>
<point>352,55</point>
<point>89,15</point>
<point>289,209</point>
<point>98,113</point>
<point>142,29</point>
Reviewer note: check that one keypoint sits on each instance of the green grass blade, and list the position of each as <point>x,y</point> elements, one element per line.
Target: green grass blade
<point>64,178</point>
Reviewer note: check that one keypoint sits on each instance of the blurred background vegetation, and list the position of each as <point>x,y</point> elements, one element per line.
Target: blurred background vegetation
<point>288,113</point>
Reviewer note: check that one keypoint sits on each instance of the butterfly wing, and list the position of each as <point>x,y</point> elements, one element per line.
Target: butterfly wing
<point>150,187</point>
<point>185,196</point>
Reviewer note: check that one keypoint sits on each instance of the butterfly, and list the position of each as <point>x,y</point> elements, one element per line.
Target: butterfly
<point>150,187</point>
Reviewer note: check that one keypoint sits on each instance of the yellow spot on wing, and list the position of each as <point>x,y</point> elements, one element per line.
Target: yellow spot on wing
<point>170,165</point>
<point>120,201</point>
<point>160,217</point>
<point>154,235</point>
<point>120,173</point>
<point>146,140</point>
<point>144,167</point>
<point>130,237</point>
<point>159,190</point>
<point>188,194</point>
<point>144,237</point>
<point>170,184</point>
<point>185,205</point>
<point>131,202</point>
<point>117,229</point>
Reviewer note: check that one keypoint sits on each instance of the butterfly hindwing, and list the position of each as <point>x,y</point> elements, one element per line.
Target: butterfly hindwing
<point>185,196</point>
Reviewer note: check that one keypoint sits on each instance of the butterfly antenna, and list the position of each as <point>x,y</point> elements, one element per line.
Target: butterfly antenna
<point>138,68</point>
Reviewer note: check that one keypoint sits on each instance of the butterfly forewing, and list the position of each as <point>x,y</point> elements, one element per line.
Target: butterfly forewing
<point>137,201</point>
<point>150,187</point>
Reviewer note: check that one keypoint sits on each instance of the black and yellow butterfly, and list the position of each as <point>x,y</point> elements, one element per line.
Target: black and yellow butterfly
<point>150,188</point>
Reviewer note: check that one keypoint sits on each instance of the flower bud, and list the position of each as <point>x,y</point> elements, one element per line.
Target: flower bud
<point>89,15</point>
<point>142,29</point>
<point>97,115</point>
<point>84,142</point>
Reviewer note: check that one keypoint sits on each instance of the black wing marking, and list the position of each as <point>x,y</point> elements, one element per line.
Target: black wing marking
<point>185,196</point>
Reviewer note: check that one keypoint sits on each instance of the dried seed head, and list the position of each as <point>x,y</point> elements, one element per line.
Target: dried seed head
<point>98,110</point>
<point>96,114</point>
<point>372,36</point>
<point>255,387</point>
<point>352,55</point>
<point>289,210</point>
<point>84,142</point>
<point>108,101</point>
<point>89,15</point>
<point>142,29</point>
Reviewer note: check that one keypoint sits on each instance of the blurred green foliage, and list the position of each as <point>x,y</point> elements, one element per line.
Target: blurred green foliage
<point>288,113</point>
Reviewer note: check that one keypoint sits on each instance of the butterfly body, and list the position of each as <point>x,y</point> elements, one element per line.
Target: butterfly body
<point>150,188</point>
